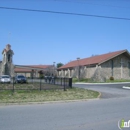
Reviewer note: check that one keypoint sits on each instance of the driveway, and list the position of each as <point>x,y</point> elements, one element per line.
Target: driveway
<point>110,90</point>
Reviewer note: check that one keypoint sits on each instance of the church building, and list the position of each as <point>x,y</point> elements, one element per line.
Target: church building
<point>8,68</point>
<point>6,65</point>
<point>100,67</point>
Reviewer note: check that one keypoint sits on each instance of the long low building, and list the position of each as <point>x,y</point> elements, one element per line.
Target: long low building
<point>99,67</point>
<point>34,70</point>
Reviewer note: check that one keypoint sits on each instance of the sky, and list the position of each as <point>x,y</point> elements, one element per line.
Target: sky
<point>41,38</point>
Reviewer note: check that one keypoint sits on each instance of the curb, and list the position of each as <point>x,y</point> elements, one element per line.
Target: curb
<point>102,83</point>
<point>50,102</point>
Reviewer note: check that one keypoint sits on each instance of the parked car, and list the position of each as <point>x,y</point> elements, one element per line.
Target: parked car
<point>20,79</point>
<point>5,79</point>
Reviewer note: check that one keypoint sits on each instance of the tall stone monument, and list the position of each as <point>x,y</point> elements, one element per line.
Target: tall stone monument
<point>7,67</point>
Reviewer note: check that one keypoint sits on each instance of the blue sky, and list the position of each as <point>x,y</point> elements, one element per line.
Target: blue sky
<point>43,38</point>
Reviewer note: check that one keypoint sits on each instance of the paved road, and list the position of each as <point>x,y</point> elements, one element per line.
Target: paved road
<point>102,114</point>
<point>108,90</point>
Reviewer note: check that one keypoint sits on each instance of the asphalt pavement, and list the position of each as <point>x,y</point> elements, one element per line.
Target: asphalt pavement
<point>96,114</point>
<point>108,90</point>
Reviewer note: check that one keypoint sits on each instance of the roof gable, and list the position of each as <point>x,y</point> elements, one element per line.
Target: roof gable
<point>99,59</point>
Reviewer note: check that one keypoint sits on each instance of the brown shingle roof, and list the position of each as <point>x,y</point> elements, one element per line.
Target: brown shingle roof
<point>22,70</point>
<point>29,69</point>
<point>40,66</point>
<point>93,60</point>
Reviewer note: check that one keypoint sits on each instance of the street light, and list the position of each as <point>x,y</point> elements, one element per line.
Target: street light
<point>78,68</point>
<point>53,68</point>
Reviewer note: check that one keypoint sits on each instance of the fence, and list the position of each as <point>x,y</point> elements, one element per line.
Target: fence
<point>48,83</point>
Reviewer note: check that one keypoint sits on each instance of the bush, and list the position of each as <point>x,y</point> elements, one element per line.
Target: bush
<point>111,78</point>
<point>75,80</point>
<point>41,77</point>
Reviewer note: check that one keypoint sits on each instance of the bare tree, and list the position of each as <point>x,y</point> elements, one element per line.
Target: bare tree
<point>75,72</point>
<point>82,72</point>
<point>51,70</point>
<point>79,71</point>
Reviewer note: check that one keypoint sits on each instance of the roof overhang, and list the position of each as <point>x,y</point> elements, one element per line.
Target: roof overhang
<point>29,67</point>
<point>125,52</point>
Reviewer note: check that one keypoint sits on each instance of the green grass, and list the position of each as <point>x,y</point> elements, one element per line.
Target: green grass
<point>23,96</point>
<point>119,80</point>
<point>81,80</point>
<point>29,86</point>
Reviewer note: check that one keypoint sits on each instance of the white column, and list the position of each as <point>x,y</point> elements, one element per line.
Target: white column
<point>68,72</point>
<point>36,71</point>
<point>62,73</point>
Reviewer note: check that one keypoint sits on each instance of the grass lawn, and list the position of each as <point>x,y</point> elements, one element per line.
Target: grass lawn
<point>90,81</point>
<point>23,96</point>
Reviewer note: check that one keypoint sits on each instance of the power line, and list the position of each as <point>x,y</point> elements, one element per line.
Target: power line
<point>66,13</point>
<point>90,3</point>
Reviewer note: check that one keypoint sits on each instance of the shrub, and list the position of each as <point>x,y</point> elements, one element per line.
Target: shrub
<point>41,77</point>
<point>75,80</point>
<point>111,78</point>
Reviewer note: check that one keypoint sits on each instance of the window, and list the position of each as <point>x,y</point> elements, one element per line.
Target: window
<point>9,58</point>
